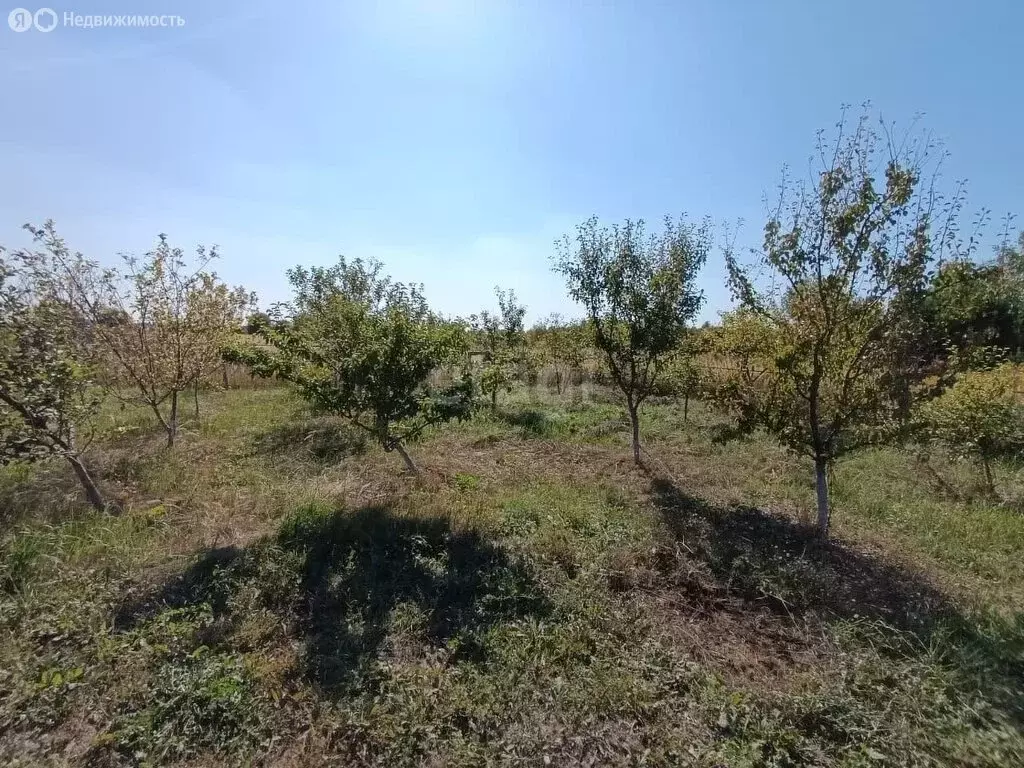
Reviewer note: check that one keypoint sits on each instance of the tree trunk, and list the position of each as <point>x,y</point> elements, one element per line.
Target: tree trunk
<point>990,485</point>
<point>195,394</point>
<point>634,423</point>
<point>558,382</point>
<point>172,422</point>
<point>821,485</point>
<point>409,464</point>
<point>494,399</point>
<point>686,407</point>
<point>949,490</point>
<point>224,373</point>
<point>92,493</point>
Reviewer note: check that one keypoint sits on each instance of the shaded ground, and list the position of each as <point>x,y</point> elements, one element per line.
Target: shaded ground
<point>340,575</point>
<point>770,562</point>
<point>322,440</point>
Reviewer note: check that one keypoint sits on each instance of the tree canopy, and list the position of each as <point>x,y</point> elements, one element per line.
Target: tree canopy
<point>361,345</point>
<point>156,325</point>
<point>47,396</point>
<point>836,292</point>
<point>640,294</point>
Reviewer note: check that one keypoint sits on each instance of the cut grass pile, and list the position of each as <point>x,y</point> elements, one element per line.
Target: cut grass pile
<point>276,592</point>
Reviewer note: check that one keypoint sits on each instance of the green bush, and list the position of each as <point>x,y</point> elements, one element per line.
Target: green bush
<point>981,416</point>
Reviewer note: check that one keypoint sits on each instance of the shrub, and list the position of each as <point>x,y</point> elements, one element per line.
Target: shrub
<point>981,415</point>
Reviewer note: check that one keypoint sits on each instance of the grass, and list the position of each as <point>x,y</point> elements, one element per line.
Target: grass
<point>276,591</point>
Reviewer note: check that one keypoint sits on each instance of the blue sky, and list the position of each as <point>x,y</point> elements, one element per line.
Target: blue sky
<point>455,140</point>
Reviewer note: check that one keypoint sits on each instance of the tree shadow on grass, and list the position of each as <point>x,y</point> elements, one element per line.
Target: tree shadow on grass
<point>336,578</point>
<point>530,421</point>
<point>767,561</point>
<point>323,441</point>
<point>721,433</point>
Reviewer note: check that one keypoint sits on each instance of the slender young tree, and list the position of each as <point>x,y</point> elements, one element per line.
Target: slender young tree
<point>358,344</point>
<point>156,326</point>
<point>46,394</point>
<point>502,344</point>
<point>684,373</point>
<point>639,292</point>
<point>835,294</point>
<point>561,345</point>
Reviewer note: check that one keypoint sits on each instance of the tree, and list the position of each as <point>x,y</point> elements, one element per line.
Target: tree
<point>972,305</point>
<point>358,344</point>
<point>981,415</point>
<point>743,376</point>
<point>502,344</point>
<point>683,374</point>
<point>46,394</point>
<point>255,321</point>
<point>836,293</point>
<point>561,345</point>
<point>157,326</point>
<point>639,293</point>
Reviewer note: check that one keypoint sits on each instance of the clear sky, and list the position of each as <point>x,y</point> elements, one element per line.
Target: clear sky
<point>454,140</point>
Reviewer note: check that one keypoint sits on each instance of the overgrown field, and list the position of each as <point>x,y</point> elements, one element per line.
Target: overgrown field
<point>277,592</point>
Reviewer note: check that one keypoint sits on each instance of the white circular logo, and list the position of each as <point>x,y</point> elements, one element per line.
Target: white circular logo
<point>20,19</point>
<point>45,19</point>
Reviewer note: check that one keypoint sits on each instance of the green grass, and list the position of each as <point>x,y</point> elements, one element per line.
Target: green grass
<point>277,592</point>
